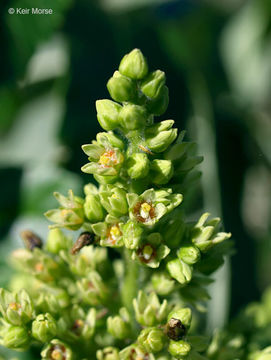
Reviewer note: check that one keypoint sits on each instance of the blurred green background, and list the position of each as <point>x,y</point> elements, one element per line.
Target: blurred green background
<point>217,57</point>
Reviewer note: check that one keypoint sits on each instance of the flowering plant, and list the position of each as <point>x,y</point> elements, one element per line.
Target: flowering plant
<point>145,303</point>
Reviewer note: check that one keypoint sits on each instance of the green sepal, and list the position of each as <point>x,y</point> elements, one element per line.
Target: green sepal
<point>121,88</point>
<point>108,114</point>
<point>134,65</point>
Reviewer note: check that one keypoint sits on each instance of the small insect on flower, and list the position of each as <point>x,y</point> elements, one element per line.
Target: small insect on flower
<point>85,238</point>
<point>175,329</point>
<point>31,240</point>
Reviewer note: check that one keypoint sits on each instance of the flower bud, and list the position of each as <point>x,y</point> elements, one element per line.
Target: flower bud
<point>93,208</point>
<point>135,352</point>
<point>108,140</point>
<point>205,233</point>
<point>159,105</point>
<point>70,213</point>
<point>92,289</point>
<point>113,199</point>
<point>162,284</point>
<point>180,271</point>
<point>179,349</point>
<point>161,171</point>
<point>160,136</point>
<point>57,241</point>
<point>121,88</point>
<point>44,327</point>
<point>31,240</point>
<point>132,234</point>
<point>138,166</point>
<point>57,350</point>
<point>134,65</point>
<point>17,309</point>
<point>151,339</point>
<point>16,337</point>
<point>151,86</point>
<point>119,326</point>
<point>148,309</point>
<point>108,353</point>
<point>189,254</point>
<point>108,114</point>
<point>133,117</point>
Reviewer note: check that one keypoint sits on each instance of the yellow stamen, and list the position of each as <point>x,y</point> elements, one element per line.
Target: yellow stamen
<point>14,306</point>
<point>146,207</point>
<point>57,355</point>
<point>115,231</point>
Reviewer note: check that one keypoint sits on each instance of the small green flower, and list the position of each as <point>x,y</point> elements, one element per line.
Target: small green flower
<point>138,165</point>
<point>119,326</point>
<point>151,339</point>
<point>134,65</point>
<point>52,299</point>
<point>148,310</point>
<point>57,241</point>
<point>108,114</point>
<point>133,117</point>
<point>161,171</point>
<point>38,263</point>
<point>108,353</point>
<point>121,88</point>
<point>92,289</point>
<point>134,352</point>
<point>16,337</point>
<point>150,206</point>
<point>109,232</point>
<point>132,234</point>
<point>113,199</point>
<point>151,86</point>
<point>159,105</point>
<point>77,324</point>
<point>93,208</point>
<point>105,156</point>
<point>89,258</point>
<point>70,214</point>
<point>179,349</point>
<point>152,251</point>
<point>162,283</point>
<point>189,254</point>
<point>205,234</point>
<point>44,327</point>
<point>16,308</point>
<point>180,271</point>
<point>57,350</point>
<point>159,136</point>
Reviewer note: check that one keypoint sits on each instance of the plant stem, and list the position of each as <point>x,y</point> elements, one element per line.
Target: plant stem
<point>130,283</point>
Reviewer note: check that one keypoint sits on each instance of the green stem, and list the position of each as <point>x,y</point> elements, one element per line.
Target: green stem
<point>130,283</point>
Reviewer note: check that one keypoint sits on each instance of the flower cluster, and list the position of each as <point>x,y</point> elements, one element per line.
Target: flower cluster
<point>80,304</point>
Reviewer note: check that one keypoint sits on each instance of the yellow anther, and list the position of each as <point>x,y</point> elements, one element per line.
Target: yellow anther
<point>146,207</point>
<point>104,160</point>
<point>56,354</point>
<point>14,306</point>
<point>114,196</point>
<point>147,252</point>
<point>115,231</point>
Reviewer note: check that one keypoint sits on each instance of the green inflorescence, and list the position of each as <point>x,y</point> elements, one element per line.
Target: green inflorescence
<point>79,304</point>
